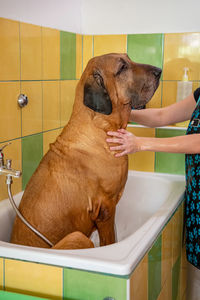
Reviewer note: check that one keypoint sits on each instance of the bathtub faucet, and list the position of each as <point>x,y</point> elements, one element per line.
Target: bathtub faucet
<point>5,169</point>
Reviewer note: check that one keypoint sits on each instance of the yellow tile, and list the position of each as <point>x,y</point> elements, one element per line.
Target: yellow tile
<point>170,90</point>
<point>49,137</point>
<point>169,93</point>
<point>10,121</point>
<point>183,283</point>
<point>51,105</point>
<point>79,55</point>
<point>169,97</point>
<point>31,52</point>
<point>68,89</point>
<point>142,161</point>
<point>155,102</point>
<point>87,49</point>
<point>181,50</point>
<point>166,252</point>
<point>177,235</point>
<point>32,113</point>
<point>139,281</point>
<point>1,273</point>
<point>166,292</point>
<point>13,152</point>
<point>104,44</point>
<point>9,50</point>
<point>34,279</point>
<point>51,53</point>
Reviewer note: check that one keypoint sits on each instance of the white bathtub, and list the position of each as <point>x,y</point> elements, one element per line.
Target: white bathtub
<point>149,200</point>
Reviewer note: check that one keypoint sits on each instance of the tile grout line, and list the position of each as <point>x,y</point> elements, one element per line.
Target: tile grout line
<point>63,274</point>
<point>4,288</point>
<point>25,136</point>
<point>82,52</point>
<point>20,68</point>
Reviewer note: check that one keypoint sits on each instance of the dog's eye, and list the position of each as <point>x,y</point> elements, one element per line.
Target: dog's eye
<point>122,68</point>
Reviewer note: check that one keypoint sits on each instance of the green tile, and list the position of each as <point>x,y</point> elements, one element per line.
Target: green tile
<point>173,163</point>
<point>154,269</point>
<point>67,55</point>
<point>176,278</point>
<point>14,296</point>
<point>146,48</point>
<point>89,286</point>
<point>32,152</point>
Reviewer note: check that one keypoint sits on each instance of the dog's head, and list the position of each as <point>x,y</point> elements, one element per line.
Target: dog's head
<point>112,83</point>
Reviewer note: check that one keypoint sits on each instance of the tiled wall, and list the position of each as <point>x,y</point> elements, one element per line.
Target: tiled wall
<point>161,274</point>
<point>46,64</point>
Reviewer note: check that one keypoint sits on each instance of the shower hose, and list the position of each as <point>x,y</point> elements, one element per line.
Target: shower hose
<point>9,182</point>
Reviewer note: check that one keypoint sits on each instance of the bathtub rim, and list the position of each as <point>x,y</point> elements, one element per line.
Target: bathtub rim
<point>86,260</point>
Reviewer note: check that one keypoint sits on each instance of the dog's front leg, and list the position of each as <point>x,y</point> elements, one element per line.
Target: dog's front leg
<point>105,222</point>
<point>106,231</point>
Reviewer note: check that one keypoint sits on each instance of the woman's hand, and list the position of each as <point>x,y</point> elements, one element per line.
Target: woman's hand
<point>128,142</point>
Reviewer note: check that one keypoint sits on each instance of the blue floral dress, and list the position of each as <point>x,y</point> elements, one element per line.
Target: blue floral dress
<point>192,207</point>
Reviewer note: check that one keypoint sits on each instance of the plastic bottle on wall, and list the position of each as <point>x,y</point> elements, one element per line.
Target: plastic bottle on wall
<point>184,89</point>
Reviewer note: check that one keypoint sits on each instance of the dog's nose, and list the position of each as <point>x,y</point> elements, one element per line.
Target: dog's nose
<point>157,72</point>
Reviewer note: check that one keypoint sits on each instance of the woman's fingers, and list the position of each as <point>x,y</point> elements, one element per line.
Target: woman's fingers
<point>114,140</point>
<point>114,148</point>
<point>121,153</point>
<point>122,130</point>
<point>114,133</point>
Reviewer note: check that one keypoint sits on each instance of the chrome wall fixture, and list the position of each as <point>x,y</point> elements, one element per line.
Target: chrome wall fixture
<point>22,100</point>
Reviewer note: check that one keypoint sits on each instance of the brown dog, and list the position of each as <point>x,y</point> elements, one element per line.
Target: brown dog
<point>78,183</point>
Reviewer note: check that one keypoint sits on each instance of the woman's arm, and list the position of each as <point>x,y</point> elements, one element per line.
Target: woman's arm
<point>129,143</point>
<point>156,117</point>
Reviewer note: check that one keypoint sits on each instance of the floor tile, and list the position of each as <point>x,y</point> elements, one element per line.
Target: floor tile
<point>16,296</point>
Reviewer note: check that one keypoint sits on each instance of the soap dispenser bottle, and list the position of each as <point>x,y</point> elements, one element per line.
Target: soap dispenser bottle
<point>184,89</point>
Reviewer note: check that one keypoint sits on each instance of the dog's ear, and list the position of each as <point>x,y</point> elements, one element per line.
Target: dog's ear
<point>96,96</point>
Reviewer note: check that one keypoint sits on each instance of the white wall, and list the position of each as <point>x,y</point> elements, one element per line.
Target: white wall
<point>59,14</point>
<point>140,16</point>
<point>107,16</point>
